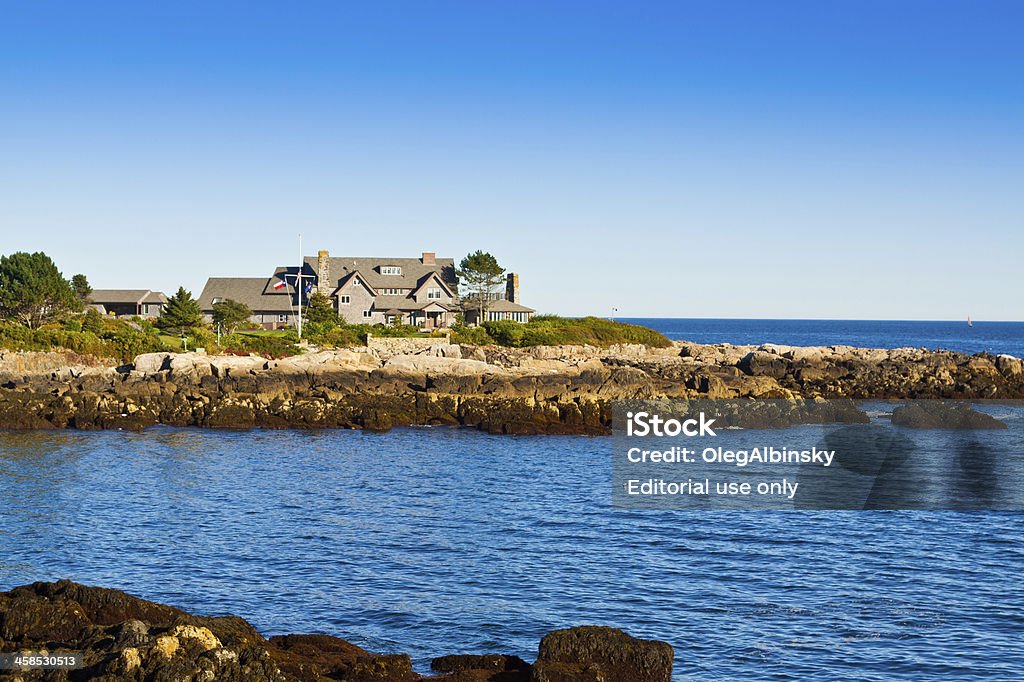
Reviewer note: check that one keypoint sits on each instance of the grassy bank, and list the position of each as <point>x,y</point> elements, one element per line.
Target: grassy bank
<point>552,330</point>
<point>124,339</point>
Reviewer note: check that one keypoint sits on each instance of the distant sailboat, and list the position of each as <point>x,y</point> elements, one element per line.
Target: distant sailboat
<point>969,323</point>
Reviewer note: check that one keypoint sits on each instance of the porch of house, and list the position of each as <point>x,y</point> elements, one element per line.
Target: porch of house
<point>432,316</point>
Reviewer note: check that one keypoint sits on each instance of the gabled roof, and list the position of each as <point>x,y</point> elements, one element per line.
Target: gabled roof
<point>435,304</point>
<point>126,296</point>
<point>247,290</point>
<point>432,277</point>
<point>413,270</point>
<point>503,306</point>
<point>155,297</point>
<point>348,279</point>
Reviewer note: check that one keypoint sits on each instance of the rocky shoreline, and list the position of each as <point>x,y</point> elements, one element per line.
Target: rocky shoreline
<point>561,389</point>
<point>122,637</point>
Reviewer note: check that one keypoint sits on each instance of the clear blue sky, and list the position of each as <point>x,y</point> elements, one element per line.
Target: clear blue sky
<point>832,159</point>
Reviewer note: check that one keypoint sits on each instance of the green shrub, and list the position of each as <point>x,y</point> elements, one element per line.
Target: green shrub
<point>202,338</point>
<point>116,340</point>
<point>73,326</point>
<point>551,330</point>
<point>343,337</point>
<point>476,336</point>
<point>273,345</point>
<point>93,321</point>
<point>396,330</point>
<point>505,332</point>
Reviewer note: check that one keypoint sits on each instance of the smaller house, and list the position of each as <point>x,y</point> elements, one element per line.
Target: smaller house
<point>129,302</point>
<point>499,307</point>
<point>271,308</point>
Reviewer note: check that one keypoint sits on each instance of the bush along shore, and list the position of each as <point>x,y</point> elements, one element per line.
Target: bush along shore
<point>540,389</point>
<point>122,637</point>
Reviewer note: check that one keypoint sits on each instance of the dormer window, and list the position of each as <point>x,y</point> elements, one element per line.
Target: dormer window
<point>390,270</point>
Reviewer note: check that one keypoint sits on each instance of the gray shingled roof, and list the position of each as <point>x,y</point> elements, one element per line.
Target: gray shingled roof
<point>123,296</point>
<point>155,297</point>
<point>503,306</point>
<point>413,271</point>
<point>247,290</point>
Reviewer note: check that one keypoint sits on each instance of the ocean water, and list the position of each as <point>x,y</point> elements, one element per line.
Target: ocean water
<point>994,337</point>
<point>442,540</point>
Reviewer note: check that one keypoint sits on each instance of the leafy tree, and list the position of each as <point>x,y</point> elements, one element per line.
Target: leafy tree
<point>181,313</point>
<point>320,309</point>
<point>32,289</point>
<point>93,321</point>
<point>229,314</point>
<point>480,276</point>
<point>80,283</point>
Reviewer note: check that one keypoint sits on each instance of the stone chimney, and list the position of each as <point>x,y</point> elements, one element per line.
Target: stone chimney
<point>512,287</point>
<point>429,258</point>
<point>323,273</point>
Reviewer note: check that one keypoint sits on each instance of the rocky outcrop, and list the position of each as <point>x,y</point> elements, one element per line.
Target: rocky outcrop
<point>562,389</point>
<point>126,638</point>
<point>600,654</point>
<point>943,415</point>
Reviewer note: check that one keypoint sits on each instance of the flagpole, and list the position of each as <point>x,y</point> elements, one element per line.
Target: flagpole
<point>298,288</point>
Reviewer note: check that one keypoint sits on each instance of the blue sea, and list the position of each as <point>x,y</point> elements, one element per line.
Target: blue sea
<point>993,337</point>
<point>443,540</point>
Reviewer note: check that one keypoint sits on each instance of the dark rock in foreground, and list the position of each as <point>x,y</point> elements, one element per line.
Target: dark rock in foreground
<point>127,638</point>
<point>601,653</point>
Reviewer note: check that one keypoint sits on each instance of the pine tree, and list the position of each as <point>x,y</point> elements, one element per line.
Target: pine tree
<point>320,309</point>
<point>32,289</point>
<point>229,314</point>
<point>480,275</point>
<point>181,313</point>
<point>80,283</point>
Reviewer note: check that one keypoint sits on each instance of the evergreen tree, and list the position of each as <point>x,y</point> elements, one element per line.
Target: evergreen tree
<point>320,309</point>
<point>181,313</point>
<point>479,276</point>
<point>32,289</point>
<point>229,314</point>
<point>93,321</point>
<point>80,283</point>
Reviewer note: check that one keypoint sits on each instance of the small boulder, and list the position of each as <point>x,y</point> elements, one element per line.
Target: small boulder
<point>151,363</point>
<point>601,654</point>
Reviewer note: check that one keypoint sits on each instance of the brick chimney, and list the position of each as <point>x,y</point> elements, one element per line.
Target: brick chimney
<point>429,258</point>
<point>323,273</point>
<point>512,287</point>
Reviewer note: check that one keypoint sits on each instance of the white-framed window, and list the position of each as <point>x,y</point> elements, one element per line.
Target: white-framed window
<point>393,292</point>
<point>282,318</point>
<point>345,299</point>
<point>367,313</point>
<point>434,292</point>
<point>390,270</point>
<point>217,299</point>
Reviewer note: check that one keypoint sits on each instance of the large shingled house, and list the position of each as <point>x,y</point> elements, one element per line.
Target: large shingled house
<point>418,291</point>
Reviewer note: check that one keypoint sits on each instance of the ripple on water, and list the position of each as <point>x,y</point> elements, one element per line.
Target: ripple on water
<point>445,540</point>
